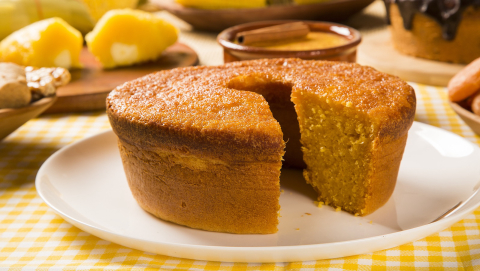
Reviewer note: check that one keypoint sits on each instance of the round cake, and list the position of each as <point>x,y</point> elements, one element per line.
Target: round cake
<point>440,30</point>
<point>203,146</point>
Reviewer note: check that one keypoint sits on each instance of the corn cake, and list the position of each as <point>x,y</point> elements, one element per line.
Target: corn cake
<point>203,146</point>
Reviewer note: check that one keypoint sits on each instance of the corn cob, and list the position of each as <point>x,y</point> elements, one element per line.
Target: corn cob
<point>222,4</point>
<point>124,37</point>
<point>47,43</point>
<point>98,8</point>
<point>16,14</point>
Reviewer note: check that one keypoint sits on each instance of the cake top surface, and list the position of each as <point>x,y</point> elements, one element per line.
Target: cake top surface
<point>199,97</point>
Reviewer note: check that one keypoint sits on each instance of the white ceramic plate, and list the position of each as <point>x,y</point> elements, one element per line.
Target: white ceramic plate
<point>85,184</point>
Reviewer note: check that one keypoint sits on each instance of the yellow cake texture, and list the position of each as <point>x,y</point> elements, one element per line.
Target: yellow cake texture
<point>203,146</point>
<point>123,37</point>
<point>47,43</point>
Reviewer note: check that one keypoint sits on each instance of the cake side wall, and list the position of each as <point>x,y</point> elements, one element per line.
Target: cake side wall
<point>232,196</point>
<point>386,159</point>
<point>387,151</point>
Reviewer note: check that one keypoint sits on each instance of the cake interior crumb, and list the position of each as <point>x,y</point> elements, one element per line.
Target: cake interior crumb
<point>319,204</point>
<point>335,139</point>
<point>336,144</point>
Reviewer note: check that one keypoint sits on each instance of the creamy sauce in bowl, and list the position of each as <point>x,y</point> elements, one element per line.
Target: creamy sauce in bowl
<point>312,41</point>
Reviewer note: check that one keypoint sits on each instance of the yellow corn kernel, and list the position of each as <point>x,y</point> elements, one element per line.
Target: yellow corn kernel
<point>124,37</point>
<point>46,43</point>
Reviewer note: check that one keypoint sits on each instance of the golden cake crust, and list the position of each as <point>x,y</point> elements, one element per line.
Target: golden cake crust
<point>188,140</point>
<point>160,98</point>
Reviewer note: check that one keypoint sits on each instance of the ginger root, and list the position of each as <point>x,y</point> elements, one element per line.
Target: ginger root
<point>19,86</point>
<point>14,91</point>
<point>43,82</point>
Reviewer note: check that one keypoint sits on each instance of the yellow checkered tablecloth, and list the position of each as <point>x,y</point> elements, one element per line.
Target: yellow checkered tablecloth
<point>32,236</point>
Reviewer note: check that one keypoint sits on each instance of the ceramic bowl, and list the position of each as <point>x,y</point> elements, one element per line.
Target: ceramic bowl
<point>12,118</point>
<point>219,19</point>
<point>236,52</point>
<point>467,116</point>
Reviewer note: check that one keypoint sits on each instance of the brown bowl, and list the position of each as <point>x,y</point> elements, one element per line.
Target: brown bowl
<point>219,19</point>
<point>237,52</point>
<point>12,118</point>
<point>467,116</point>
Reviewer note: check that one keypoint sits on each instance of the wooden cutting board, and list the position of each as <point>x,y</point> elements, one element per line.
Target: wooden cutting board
<point>90,85</point>
<point>376,50</point>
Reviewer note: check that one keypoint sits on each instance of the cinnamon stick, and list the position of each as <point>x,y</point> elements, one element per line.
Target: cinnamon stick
<point>273,33</point>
